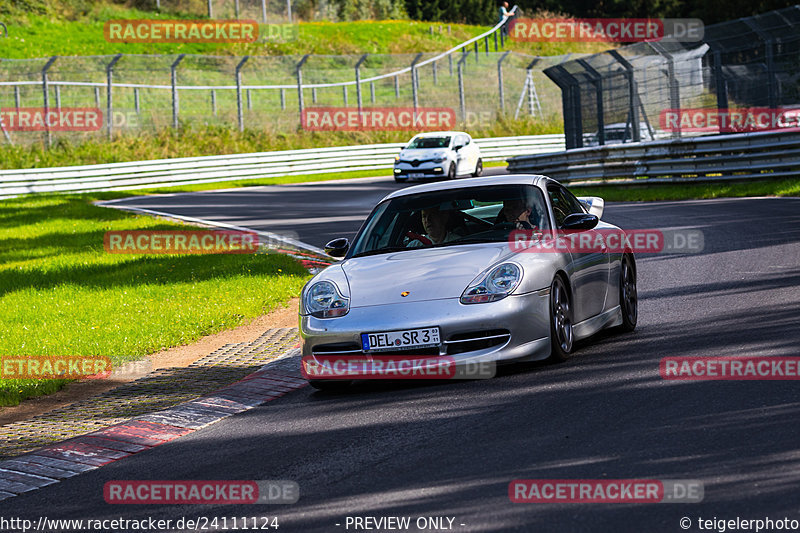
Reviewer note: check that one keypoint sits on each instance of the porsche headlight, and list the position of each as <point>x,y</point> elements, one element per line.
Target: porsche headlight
<point>323,300</point>
<point>495,285</point>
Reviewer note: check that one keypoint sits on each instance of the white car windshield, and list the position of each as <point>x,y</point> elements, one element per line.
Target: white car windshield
<point>451,217</point>
<point>429,142</point>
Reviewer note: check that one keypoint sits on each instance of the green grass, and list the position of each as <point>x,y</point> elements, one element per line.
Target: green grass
<point>692,191</point>
<point>80,32</point>
<point>62,294</point>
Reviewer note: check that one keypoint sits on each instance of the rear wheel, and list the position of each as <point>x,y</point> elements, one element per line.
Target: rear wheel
<point>628,297</point>
<point>560,321</point>
<point>478,169</point>
<point>451,172</point>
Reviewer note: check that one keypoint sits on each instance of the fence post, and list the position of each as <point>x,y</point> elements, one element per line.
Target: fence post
<point>495,40</point>
<point>109,97</point>
<point>283,99</point>
<point>58,97</point>
<point>674,86</point>
<point>46,67</point>
<point>414,85</point>
<point>768,40</point>
<point>397,86</point>
<point>597,80</point>
<point>210,10</point>
<point>372,91</point>
<point>633,95</point>
<point>450,61</point>
<point>136,99</point>
<point>344,94</point>
<point>313,95</point>
<point>213,102</point>
<point>486,44</point>
<point>289,10</point>
<point>358,80</point>
<point>16,97</point>
<point>239,110</point>
<point>236,8</point>
<point>570,104</point>
<point>461,100</point>
<point>477,55</point>
<point>174,77</point>
<point>500,80</point>
<point>264,10</point>
<point>249,100</point>
<point>97,97</point>
<point>299,71</point>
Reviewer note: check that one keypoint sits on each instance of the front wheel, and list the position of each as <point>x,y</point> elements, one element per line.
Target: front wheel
<point>560,321</point>
<point>478,169</point>
<point>451,172</point>
<point>628,297</point>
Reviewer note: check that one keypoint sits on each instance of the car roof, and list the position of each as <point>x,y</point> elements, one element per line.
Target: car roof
<point>439,133</point>
<point>512,179</point>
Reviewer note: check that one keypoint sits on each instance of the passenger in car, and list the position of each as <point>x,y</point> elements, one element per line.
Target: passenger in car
<point>439,226</point>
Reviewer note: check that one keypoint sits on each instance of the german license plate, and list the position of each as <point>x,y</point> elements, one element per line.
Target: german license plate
<point>416,174</point>
<point>406,339</point>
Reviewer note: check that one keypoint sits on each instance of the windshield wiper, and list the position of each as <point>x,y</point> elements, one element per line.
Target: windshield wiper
<point>388,249</point>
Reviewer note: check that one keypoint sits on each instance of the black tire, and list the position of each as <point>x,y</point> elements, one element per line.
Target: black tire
<point>339,385</point>
<point>561,338</point>
<point>451,172</point>
<point>628,296</point>
<point>478,169</point>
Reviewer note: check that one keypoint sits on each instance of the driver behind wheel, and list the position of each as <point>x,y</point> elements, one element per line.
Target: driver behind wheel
<point>519,213</point>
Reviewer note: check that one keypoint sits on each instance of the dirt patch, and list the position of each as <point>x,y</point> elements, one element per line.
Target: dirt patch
<point>179,356</point>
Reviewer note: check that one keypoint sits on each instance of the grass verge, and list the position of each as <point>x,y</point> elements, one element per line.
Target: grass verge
<point>216,140</point>
<point>62,294</point>
<point>692,191</point>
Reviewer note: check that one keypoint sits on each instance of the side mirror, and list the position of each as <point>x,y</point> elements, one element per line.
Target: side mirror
<point>337,247</point>
<point>593,204</point>
<point>580,221</point>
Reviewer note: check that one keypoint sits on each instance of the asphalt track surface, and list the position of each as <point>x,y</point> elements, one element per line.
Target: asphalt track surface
<point>451,449</point>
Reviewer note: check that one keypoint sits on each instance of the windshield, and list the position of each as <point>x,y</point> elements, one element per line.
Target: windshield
<point>429,142</point>
<point>451,217</point>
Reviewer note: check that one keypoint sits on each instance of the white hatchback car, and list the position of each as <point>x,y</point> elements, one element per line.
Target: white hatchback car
<point>438,154</point>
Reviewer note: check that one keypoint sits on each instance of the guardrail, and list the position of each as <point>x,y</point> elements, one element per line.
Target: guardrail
<point>717,157</point>
<point>209,169</point>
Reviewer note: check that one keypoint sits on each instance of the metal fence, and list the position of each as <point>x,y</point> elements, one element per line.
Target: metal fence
<point>620,95</point>
<point>139,93</point>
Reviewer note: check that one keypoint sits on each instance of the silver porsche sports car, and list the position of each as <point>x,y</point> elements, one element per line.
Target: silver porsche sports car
<point>435,269</point>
